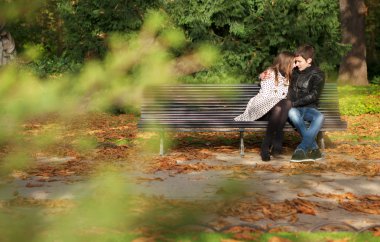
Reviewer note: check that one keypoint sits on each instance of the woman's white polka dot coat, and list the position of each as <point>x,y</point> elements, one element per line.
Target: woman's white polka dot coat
<point>268,96</point>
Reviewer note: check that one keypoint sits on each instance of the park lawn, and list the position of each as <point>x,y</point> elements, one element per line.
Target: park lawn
<point>357,100</point>
<point>361,128</point>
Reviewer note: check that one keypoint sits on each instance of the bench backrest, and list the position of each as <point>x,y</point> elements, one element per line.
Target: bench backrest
<point>211,106</point>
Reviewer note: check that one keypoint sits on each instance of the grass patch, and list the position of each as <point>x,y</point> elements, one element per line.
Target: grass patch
<point>357,100</point>
<point>361,128</point>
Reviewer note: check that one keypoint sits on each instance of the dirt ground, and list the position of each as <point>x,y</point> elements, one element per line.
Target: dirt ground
<point>340,192</point>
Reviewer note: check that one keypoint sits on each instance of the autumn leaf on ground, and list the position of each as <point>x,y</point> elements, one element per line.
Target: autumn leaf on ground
<point>338,197</point>
<point>370,207</point>
<point>278,239</point>
<point>303,206</point>
<point>144,239</point>
<point>246,236</point>
<point>230,240</point>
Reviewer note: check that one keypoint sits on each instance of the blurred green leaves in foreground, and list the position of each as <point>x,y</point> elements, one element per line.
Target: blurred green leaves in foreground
<point>134,64</point>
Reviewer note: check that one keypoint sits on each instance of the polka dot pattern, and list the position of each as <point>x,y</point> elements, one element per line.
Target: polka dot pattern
<point>268,96</point>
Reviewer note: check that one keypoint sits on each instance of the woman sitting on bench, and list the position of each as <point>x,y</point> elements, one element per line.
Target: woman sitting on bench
<point>271,100</point>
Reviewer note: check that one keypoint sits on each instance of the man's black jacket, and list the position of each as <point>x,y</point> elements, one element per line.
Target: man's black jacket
<point>306,87</point>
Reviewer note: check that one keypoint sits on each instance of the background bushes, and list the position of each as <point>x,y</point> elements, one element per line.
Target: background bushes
<point>249,33</point>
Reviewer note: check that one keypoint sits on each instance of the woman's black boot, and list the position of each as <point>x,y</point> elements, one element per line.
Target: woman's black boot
<point>264,153</point>
<point>277,144</point>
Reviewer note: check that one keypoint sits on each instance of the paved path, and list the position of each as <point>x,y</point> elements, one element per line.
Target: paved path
<point>206,184</point>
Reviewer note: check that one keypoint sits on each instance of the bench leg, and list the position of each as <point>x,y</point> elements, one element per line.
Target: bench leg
<point>321,139</point>
<point>241,143</point>
<point>161,143</point>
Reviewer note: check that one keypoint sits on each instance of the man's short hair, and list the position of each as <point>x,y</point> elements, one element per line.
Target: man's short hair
<point>306,51</point>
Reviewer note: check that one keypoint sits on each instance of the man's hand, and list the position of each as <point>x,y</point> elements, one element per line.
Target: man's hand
<point>264,75</point>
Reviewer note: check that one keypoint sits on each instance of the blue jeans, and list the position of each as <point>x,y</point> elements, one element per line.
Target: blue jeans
<point>298,116</point>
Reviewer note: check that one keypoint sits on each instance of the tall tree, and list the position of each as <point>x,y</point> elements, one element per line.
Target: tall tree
<point>353,68</point>
<point>373,38</point>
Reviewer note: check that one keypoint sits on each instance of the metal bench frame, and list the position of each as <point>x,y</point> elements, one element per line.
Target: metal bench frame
<point>212,107</point>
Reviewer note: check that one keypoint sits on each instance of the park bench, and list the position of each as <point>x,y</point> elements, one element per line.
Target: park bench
<point>212,108</point>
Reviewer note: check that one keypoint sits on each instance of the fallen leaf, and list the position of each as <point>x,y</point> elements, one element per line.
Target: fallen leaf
<point>246,236</point>
<point>303,206</point>
<point>301,194</point>
<point>372,197</point>
<point>278,239</point>
<point>229,240</point>
<point>144,239</point>
<point>29,184</point>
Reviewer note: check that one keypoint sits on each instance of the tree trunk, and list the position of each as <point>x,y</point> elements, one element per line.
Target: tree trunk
<point>353,68</point>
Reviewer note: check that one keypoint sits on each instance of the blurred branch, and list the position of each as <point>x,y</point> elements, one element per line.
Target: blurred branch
<point>186,65</point>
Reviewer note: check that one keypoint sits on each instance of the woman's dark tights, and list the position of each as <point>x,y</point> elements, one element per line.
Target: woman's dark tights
<point>275,134</point>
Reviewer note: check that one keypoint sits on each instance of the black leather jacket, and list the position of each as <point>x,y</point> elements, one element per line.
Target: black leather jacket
<point>306,87</point>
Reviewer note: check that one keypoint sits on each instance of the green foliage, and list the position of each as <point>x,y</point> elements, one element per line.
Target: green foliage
<point>42,27</point>
<point>14,9</point>
<point>375,80</point>
<point>88,22</point>
<point>357,100</point>
<point>76,30</point>
<point>250,33</point>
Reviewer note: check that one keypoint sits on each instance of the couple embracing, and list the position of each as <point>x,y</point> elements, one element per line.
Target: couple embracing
<point>290,89</point>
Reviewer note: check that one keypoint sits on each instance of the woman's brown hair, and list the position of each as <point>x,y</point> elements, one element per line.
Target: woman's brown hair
<point>283,63</point>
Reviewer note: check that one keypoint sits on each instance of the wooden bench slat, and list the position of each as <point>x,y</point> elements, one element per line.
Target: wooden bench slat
<point>204,107</point>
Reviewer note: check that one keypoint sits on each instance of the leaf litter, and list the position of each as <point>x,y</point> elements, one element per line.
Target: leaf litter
<point>119,143</point>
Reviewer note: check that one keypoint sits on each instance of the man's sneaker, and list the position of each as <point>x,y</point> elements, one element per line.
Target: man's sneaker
<point>314,154</point>
<point>300,156</point>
